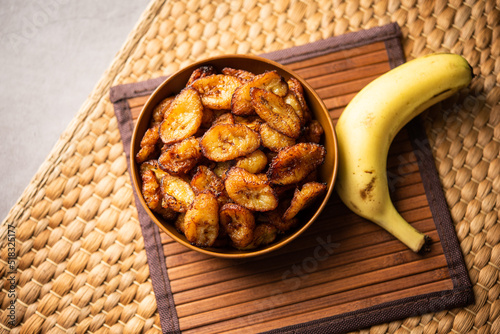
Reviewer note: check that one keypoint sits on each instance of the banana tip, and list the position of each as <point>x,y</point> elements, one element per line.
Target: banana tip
<point>426,247</point>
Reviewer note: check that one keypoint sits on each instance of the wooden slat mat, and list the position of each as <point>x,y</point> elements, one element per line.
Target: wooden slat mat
<point>344,273</point>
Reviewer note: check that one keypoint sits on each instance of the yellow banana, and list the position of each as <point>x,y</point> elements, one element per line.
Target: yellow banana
<point>370,122</point>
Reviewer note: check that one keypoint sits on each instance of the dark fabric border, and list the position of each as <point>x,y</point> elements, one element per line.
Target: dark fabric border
<point>459,296</point>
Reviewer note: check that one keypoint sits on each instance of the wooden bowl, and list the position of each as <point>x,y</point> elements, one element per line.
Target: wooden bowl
<point>175,83</point>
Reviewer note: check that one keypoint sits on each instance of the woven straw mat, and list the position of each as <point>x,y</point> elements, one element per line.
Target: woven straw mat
<point>81,262</point>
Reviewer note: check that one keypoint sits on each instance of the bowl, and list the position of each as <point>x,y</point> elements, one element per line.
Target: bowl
<point>175,83</point>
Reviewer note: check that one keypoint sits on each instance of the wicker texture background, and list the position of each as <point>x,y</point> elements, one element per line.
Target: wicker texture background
<point>81,259</point>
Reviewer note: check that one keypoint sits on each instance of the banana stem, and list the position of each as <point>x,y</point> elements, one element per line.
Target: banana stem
<point>396,225</point>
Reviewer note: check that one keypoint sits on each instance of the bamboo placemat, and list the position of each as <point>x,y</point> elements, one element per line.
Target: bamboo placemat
<point>80,258</point>
<point>345,274</point>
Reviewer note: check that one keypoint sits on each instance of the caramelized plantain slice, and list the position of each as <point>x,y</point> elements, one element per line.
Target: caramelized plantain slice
<point>254,162</point>
<point>201,222</point>
<point>225,118</point>
<point>303,198</point>
<point>250,190</point>
<point>294,163</point>
<point>151,189</point>
<point>181,157</point>
<point>238,222</point>
<point>312,132</point>
<point>222,167</point>
<point>153,166</point>
<point>241,102</point>
<point>148,145</point>
<point>253,121</point>
<point>276,219</point>
<point>296,88</point>
<point>277,114</point>
<point>216,90</point>
<point>205,179</point>
<point>244,76</point>
<point>292,101</point>
<point>183,118</point>
<point>273,139</point>
<point>201,72</point>
<point>263,234</point>
<point>224,142</point>
<point>177,193</point>
<point>160,110</point>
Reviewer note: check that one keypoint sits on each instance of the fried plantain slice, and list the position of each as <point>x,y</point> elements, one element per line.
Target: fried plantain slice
<point>276,219</point>
<point>292,101</point>
<point>244,76</point>
<point>201,72</point>
<point>177,193</point>
<point>148,146</point>
<point>250,190</point>
<point>254,162</point>
<point>277,114</point>
<point>312,132</point>
<point>201,222</point>
<point>238,222</point>
<point>225,118</point>
<point>224,142</point>
<point>294,163</point>
<point>205,179</point>
<point>303,198</point>
<point>151,189</point>
<point>153,166</point>
<point>183,118</point>
<point>216,90</point>
<point>160,109</point>
<point>222,167</point>
<point>181,157</point>
<point>263,234</point>
<point>295,86</point>
<point>241,102</point>
<point>273,139</point>
<point>253,121</point>
<point>151,192</point>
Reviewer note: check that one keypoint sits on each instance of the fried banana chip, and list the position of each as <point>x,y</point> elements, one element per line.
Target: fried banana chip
<point>181,157</point>
<point>238,222</point>
<point>224,142</point>
<point>273,139</point>
<point>216,90</point>
<point>201,72</point>
<point>303,198</point>
<point>201,222</point>
<point>263,234</point>
<point>277,114</point>
<point>148,145</point>
<point>297,89</point>
<point>312,132</point>
<point>241,103</point>
<point>254,162</point>
<point>177,193</point>
<point>250,190</point>
<point>183,118</point>
<point>243,75</point>
<point>294,163</point>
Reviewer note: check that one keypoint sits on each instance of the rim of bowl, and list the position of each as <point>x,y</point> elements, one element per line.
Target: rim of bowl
<point>210,251</point>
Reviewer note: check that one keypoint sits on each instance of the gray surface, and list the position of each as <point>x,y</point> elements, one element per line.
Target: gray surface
<point>52,54</point>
